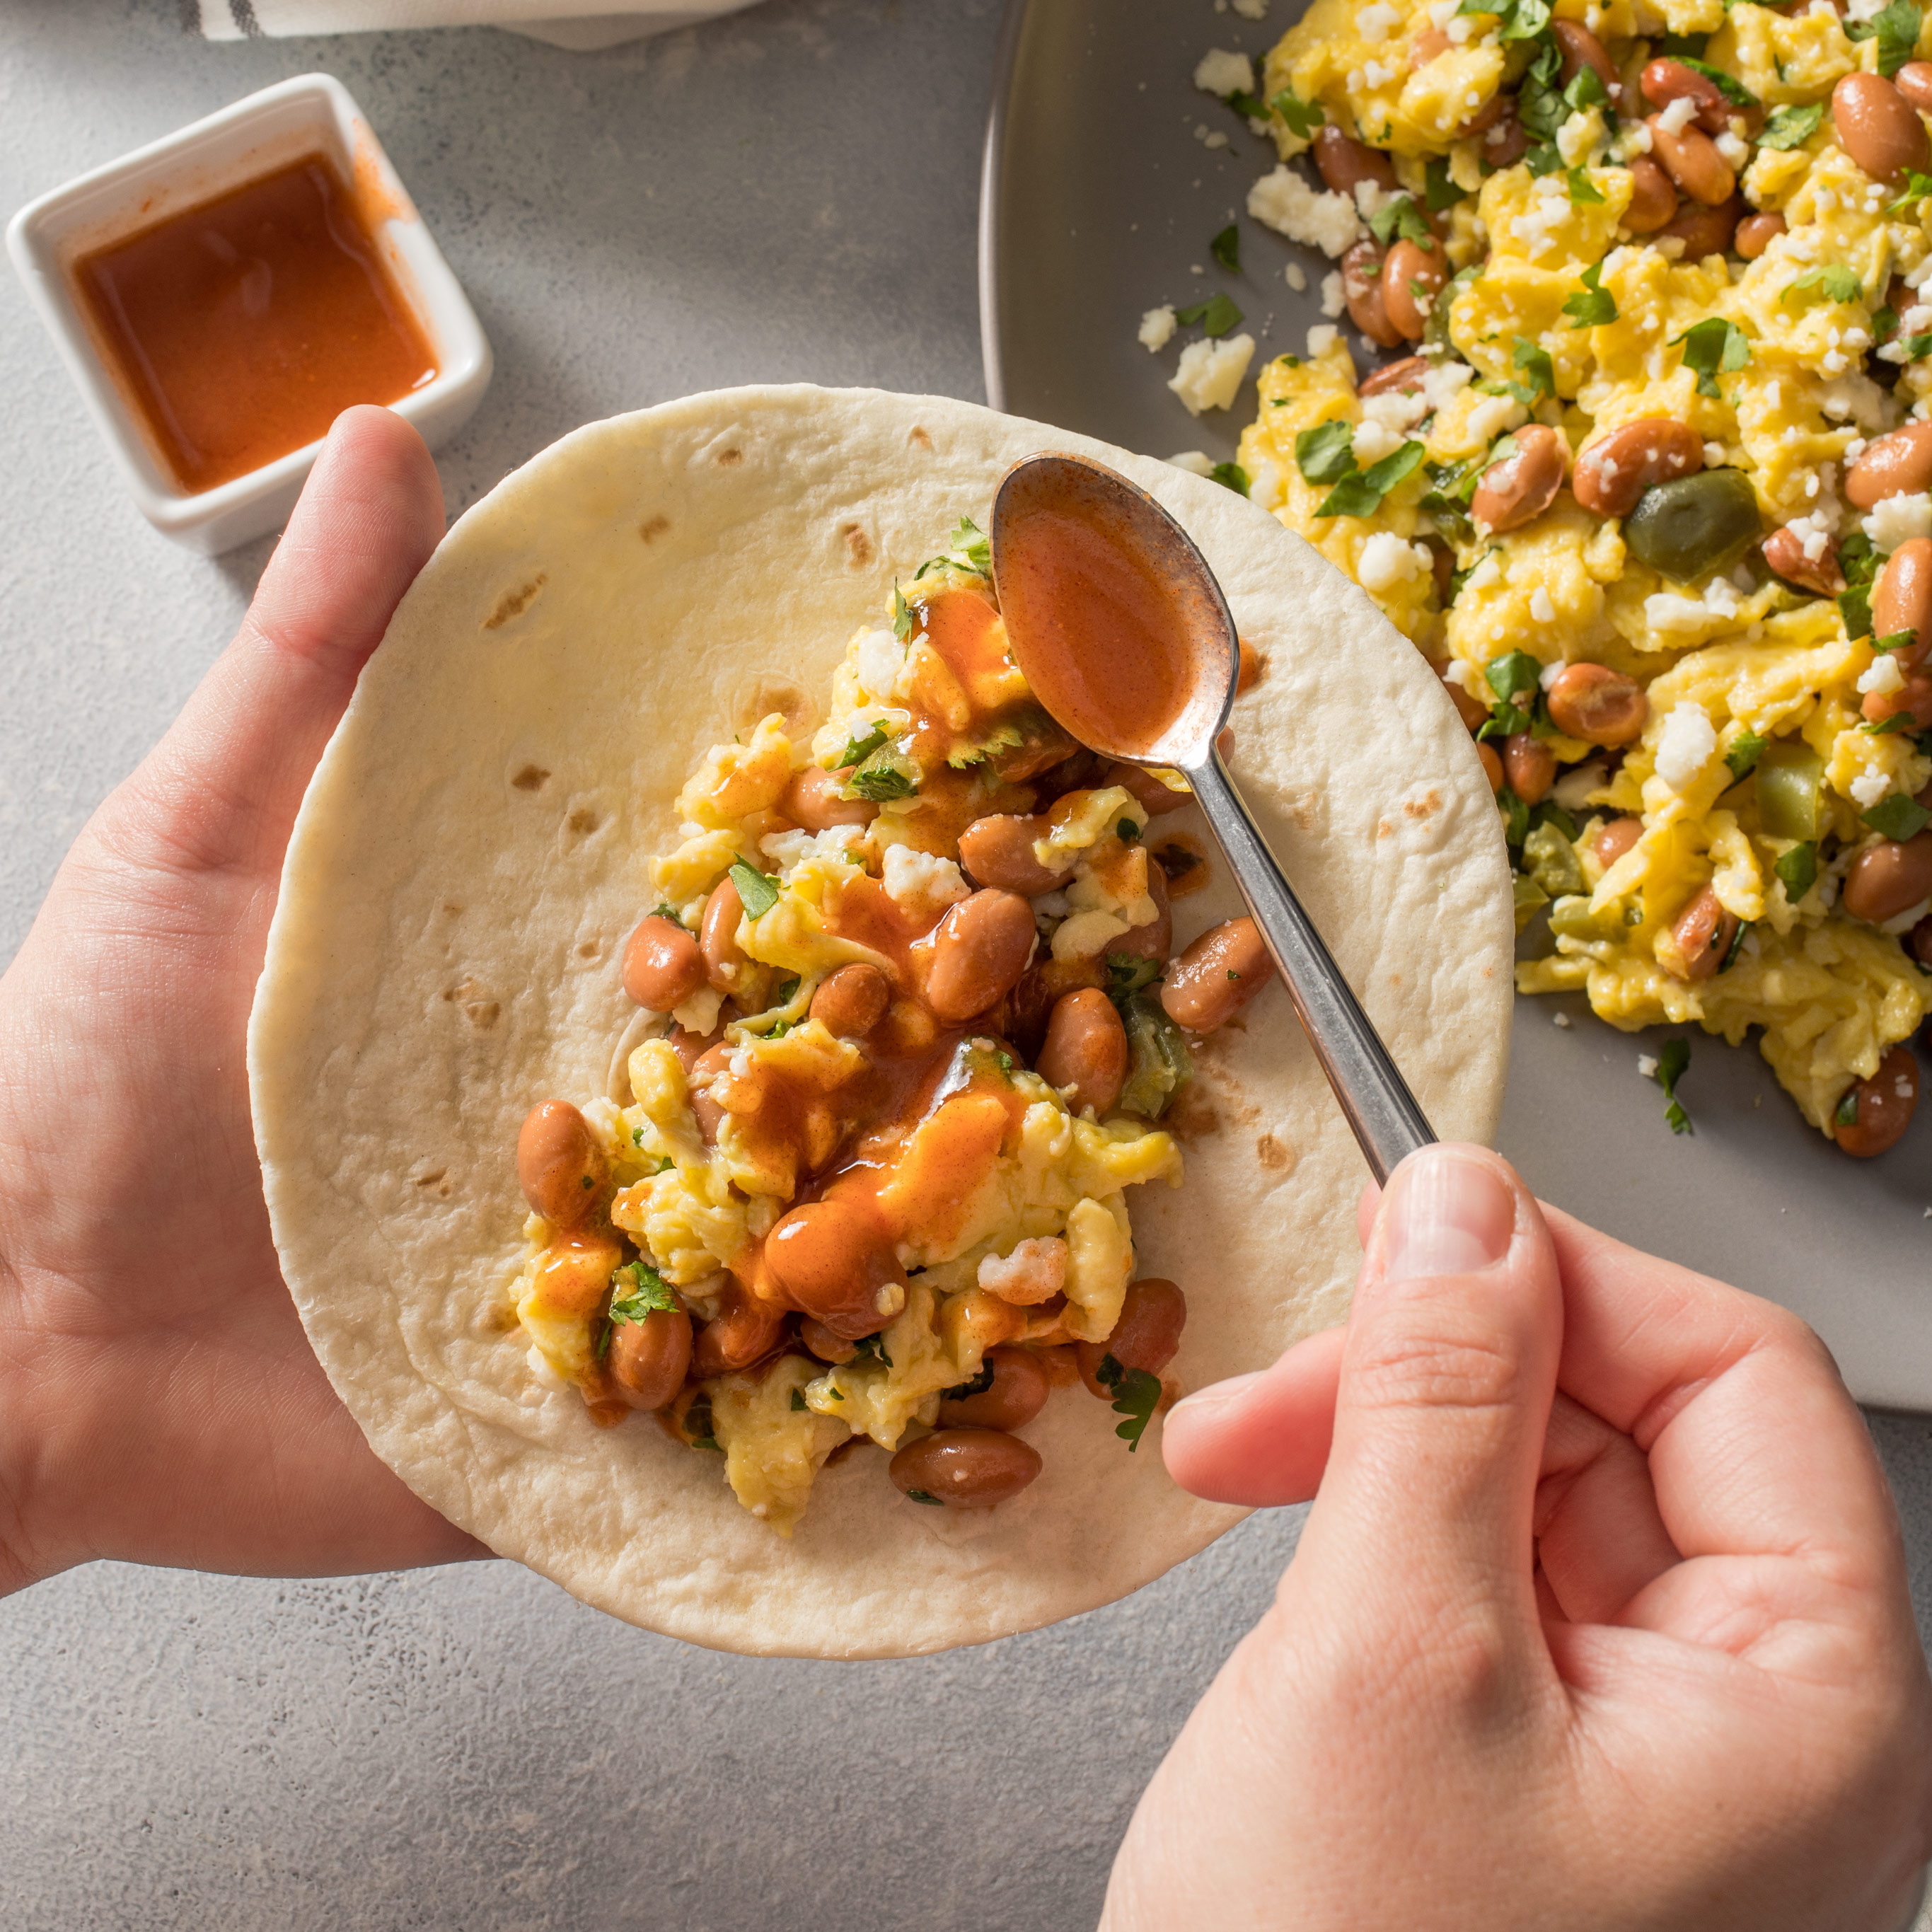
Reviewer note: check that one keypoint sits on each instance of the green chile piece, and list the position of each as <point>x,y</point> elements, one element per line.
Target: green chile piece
<point>1550,859</point>
<point>1790,778</point>
<point>1530,898</point>
<point>1687,528</point>
<point>1571,918</point>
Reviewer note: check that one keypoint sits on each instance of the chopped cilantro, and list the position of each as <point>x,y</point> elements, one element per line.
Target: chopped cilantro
<point>664,909</point>
<point>1799,869</point>
<point>798,1402</point>
<point>1736,945</point>
<point>1301,117</point>
<point>858,750</point>
<point>1399,220</point>
<point>1898,817</point>
<point>1439,191</point>
<point>1230,476</point>
<point>1896,30</point>
<point>756,893</point>
<point>1127,975</point>
<point>1835,283</point>
<point>1535,362</point>
<point>1747,747</point>
<point>1584,193</point>
<point>979,1385</point>
<point>969,550</point>
<point>1226,248</point>
<point>699,1431</point>
<point>888,773</point>
<point>1792,126</point>
<point>901,615</point>
<point>1672,1063</point>
<point>1594,306</point>
<point>1917,188</point>
<point>1712,347</point>
<point>1126,830</point>
<point>1518,671</point>
<point>923,1496</point>
<point>874,1345</point>
<point>1516,817</point>
<point>1728,85</point>
<point>1217,315</point>
<point>1515,19</point>
<point>637,1290</point>
<point>1846,1114</point>
<point>1899,720</point>
<point>1136,1394</point>
<point>1361,494</point>
<point>1326,453</point>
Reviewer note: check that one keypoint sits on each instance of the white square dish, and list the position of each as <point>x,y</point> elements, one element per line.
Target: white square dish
<point>242,142</point>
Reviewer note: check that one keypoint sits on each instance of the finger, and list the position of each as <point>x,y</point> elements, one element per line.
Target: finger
<point>220,791</point>
<point>1260,1440</point>
<point>1600,1537</point>
<point>1754,1446</point>
<point>1365,1213</point>
<point>1446,1377</point>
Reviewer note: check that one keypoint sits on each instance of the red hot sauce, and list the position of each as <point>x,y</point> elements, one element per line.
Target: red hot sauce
<point>242,328</point>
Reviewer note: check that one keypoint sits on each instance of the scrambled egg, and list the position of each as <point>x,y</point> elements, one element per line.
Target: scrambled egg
<point>991,1180</point>
<point>1560,315</point>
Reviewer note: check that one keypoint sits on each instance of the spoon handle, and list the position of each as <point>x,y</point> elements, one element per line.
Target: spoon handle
<point>1368,1084</point>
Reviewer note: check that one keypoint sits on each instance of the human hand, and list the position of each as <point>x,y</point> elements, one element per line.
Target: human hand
<point>158,1400</point>
<point>1599,1621</point>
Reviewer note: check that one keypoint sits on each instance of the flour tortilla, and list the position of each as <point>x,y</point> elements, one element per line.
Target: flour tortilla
<point>474,850</point>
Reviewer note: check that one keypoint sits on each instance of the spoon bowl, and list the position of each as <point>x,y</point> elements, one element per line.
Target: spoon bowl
<point>1117,624</point>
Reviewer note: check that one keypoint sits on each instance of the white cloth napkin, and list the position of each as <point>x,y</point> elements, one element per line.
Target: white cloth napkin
<point>563,23</point>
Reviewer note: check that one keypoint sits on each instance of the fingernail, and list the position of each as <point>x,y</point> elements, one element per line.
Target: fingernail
<point>1445,1215</point>
<point>1216,1394</point>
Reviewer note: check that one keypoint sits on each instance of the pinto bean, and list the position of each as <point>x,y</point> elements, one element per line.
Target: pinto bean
<point>1889,878</point>
<point>1404,376</point>
<point>1216,976</point>
<point>836,1263</point>
<point>648,1360</point>
<point>1614,471</point>
<point>823,1343</point>
<point>709,1114</point>
<point>1147,1333</point>
<point>1018,1393</point>
<point>979,948</point>
<point>662,965</point>
<point>690,1047</point>
<point>1473,712</point>
<point>813,802</point>
<point>1702,933</point>
<point>1784,554</point>
<point>1524,484</point>
<point>1492,764</point>
<point>997,850</point>
<point>1086,1051</point>
<point>1579,48</point>
<point>1756,233</point>
<point>1878,126</point>
<point>1902,600</point>
<point>1914,695</point>
<point>1663,81</point>
<point>746,1330</point>
<point>559,1165</point>
<point>965,1469</point>
<point>1703,231</point>
<point>853,1000</point>
<point>1362,291</point>
<point>1691,160</point>
<point>1152,797</point>
<point>1505,139</point>
<point>1154,941</point>
<point>718,936</point>
<point>1412,277</point>
<point>1914,80</point>
<point>1430,45</point>
<point>1881,1108</point>
<point>1530,766</point>
<point>1918,941</point>
<point>1614,838</point>
<point>1600,706</point>
<point>1896,465</point>
<point>1342,161</point>
<point>1653,201</point>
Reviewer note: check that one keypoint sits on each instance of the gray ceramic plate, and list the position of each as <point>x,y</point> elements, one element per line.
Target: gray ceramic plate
<point>1099,201</point>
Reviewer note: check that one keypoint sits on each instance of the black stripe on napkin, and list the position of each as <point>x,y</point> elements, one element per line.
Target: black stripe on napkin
<point>243,13</point>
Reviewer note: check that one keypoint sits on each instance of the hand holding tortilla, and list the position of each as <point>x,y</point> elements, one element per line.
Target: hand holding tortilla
<point>1600,1619</point>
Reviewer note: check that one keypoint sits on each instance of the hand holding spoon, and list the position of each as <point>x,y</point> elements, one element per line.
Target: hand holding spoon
<point>1122,631</point>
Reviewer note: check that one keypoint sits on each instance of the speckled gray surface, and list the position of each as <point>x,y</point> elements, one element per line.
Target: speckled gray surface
<point>788,194</point>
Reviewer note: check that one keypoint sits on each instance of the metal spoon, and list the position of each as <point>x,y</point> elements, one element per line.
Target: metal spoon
<point>1375,1098</point>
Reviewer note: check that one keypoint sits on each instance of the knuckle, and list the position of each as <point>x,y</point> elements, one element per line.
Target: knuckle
<point>1431,1362</point>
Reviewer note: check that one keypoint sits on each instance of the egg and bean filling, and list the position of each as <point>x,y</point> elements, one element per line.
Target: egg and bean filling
<point>1648,478</point>
<point>919,1024</point>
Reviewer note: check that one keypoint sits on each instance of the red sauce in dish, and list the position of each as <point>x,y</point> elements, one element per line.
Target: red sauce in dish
<point>242,328</point>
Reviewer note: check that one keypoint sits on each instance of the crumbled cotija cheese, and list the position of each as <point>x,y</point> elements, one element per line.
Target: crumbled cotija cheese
<point>1284,202</point>
<point>1157,328</point>
<point>1373,23</point>
<point>1868,788</point>
<point>1387,559</point>
<point>1898,519</point>
<point>1220,72</point>
<point>917,880</point>
<point>1882,675</point>
<point>1375,440</point>
<point>1685,746</point>
<point>1395,410</point>
<point>880,662</point>
<point>1209,377</point>
<point>1333,302</point>
<point>1492,416</point>
<point>1321,339</point>
<point>1296,276</point>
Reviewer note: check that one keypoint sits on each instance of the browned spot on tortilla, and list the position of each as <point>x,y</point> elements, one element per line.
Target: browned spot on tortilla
<point>532,778</point>
<point>726,457</point>
<point>652,527</point>
<point>437,1180</point>
<point>858,545</point>
<point>502,1319</point>
<point>919,436</point>
<point>582,820</point>
<point>1424,808</point>
<point>1192,1116</point>
<point>1274,1156</point>
<point>1254,668</point>
<point>452,908</point>
<point>1183,864</point>
<point>1385,828</point>
<point>515,603</point>
<point>473,996</point>
<point>758,698</point>
<point>589,948</point>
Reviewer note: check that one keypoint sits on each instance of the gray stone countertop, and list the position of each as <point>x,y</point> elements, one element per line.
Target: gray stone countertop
<point>788,194</point>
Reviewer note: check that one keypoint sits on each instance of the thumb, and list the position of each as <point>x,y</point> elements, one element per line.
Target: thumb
<point>220,791</point>
<point>1446,1377</point>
